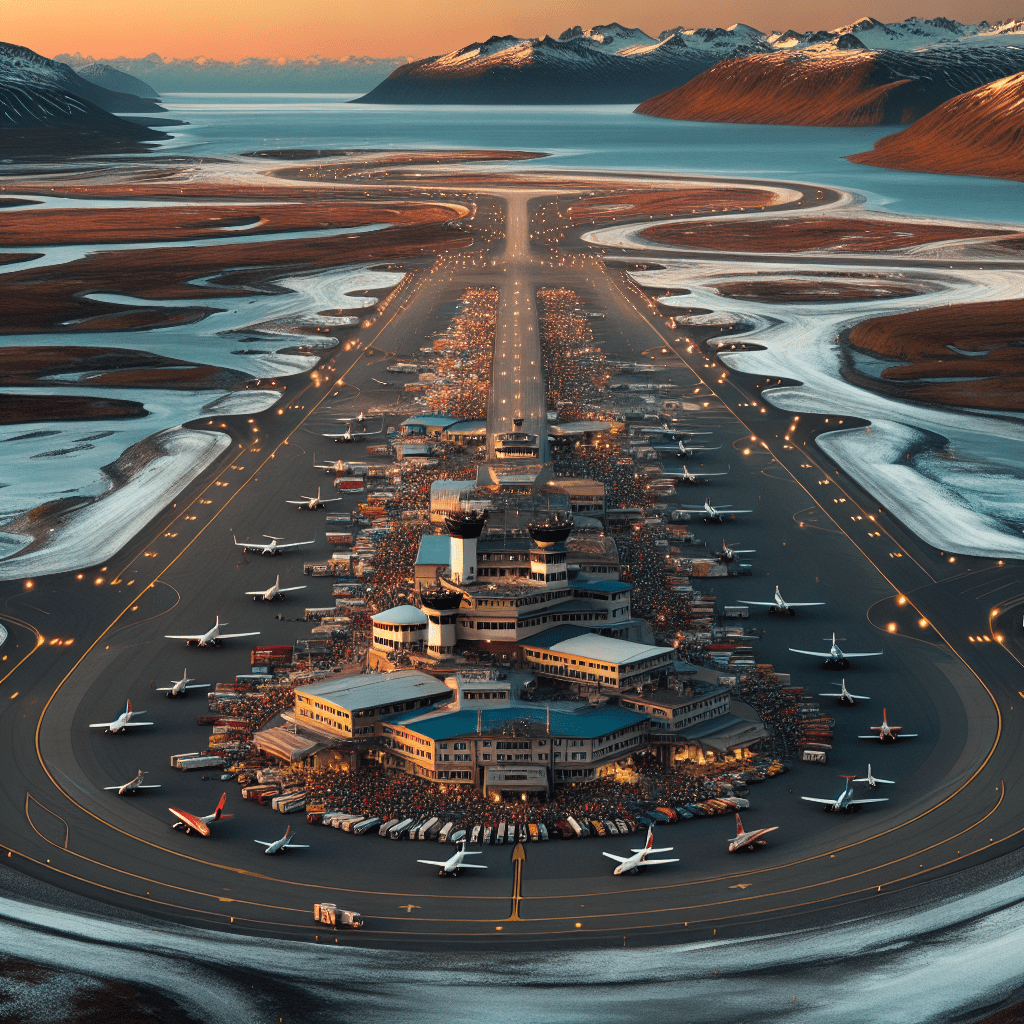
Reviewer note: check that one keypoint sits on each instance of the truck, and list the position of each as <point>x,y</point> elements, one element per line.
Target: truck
<point>332,916</point>
<point>192,764</point>
<point>339,539</point>
<point>736,611</point>
<point>814,756</point>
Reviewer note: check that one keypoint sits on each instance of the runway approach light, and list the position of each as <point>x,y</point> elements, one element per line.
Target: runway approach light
<point>923,623</point>
<point>901,600</point>
<point>891,627</point>
<point>29,584</point>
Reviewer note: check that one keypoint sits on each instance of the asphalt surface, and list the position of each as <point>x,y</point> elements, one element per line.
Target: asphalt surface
<point>954,805</point>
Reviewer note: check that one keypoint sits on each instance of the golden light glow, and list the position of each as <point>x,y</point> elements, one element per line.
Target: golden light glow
<point>891,627</point>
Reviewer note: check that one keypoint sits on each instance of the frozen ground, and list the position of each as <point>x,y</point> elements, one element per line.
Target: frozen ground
<point>943,962</point>
<point>962,487</point>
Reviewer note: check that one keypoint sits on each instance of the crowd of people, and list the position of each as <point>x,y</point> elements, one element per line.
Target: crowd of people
<point>778,707</point>
<point>574,367</point>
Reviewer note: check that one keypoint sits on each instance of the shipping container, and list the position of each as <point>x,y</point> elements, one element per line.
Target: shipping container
<point>279,655</point>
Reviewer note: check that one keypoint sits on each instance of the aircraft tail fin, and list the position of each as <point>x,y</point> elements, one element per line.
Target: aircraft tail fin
<point>650,838</point>
<point>128,707</point>
<point>219,811</point>
<point>739,826</point>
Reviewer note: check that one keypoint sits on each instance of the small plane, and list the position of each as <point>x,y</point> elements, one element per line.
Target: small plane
<point>872,781</point>
<point>836,658</point>
<point>674,433</point>
<point>352,419</point>
<point>211,638</point>
<point>779,605</point>
<point>728,554</point>
<point>338,466</point>
<point>189,823</point>
<point>691,478</point>
<point>639,862</point>
<point>720,514</point>
<point>749,840</point>
<point>845,697</point>
<point>133,787</point>
<point>180,687</point>
<point>312,504</point>
<point>282,844</point>
<point>125,720</point>
<point>844,801</point>
<point>348,436</point>
<point>273,548</point>
<point>456,862</point>
<point>888,733</point>
<point>275,592</point>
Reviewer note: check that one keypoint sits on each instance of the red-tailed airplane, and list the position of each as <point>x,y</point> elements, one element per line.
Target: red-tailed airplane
<point>122,722</point>
<point>888,733</point>
<point>728,554</point>
<point>189,823</point>
<point>639,861</point>
<point>749,840</point>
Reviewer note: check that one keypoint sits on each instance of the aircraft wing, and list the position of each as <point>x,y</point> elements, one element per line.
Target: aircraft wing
<point>191,820</point>
<point>248,593</point>
<point>261,843</point>
<point>873,800</point>
<point>762,604</point>
<point>329,466</point>
<point>323,501</point>
<point>612,856</point>
<point>869,654</point>
<point>228,636</point>
<point>855,696</point>
<point>132,725</point>
<point>818,800</point>
<point>157,787</point>
<point>296,544</point>
<point>107,725</point>
<point>667,860</point>
<point>807,604</point>
<point>436,863</point>
<point>191,636</point>
<point>664,849</point>
<point>813,654</point>
<point>290,502</point>
<point>732,511</point>
<point>346,434</point>
<point>286,590</point>
<point>301,846</point>
<point>466,864</point>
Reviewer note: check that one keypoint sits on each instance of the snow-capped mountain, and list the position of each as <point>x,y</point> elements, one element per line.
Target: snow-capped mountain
<point>252,74</point>
<point>615,64</point>
<point>24,68</point>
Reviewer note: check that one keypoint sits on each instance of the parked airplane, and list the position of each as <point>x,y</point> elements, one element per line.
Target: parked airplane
<point>132,787</point>
<point>338,466</point>
<point>728,554</point>
<point>872,781</point>
<point>275,592</point>
<point>639,862</point>
<point>836,658</point>
<point>749,840</point>
<point>273,548</point>
<point>384,382</point>
<point>456,862</point>
<point>691,478</point>
<point>684,450</point>
<point>844,801</point>
<point>310,504</point>
<point>717,515</point>
<point>349,436</point>
<point>352,419</point>
<point>888,733</point>
<point>282,844</point>
<point>845,697</point>
<point>189,823</point>
<point>122,722</point>
<point>180,687</point>
<point>212,637</point>
<point>778,605</point>
<point>674,433</point>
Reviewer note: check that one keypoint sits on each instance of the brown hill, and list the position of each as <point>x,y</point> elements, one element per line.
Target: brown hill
<point>833,89</point>
<point>980,132</point>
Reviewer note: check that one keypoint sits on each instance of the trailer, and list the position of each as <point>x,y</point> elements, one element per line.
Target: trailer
<point>814,756</point>
<point>332,916</point>
<point>192,764</point>
<point>735,611</point>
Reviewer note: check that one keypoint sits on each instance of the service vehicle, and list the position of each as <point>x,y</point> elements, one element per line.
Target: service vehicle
<point>332,916</point>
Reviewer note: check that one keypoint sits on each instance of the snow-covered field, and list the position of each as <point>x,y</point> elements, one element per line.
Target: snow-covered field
<point>962,488</point>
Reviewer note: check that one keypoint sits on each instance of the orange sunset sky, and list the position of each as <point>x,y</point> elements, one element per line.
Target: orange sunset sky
<point>231,29</point>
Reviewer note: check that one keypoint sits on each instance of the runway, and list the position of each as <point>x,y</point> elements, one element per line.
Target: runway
<point>817,536</point>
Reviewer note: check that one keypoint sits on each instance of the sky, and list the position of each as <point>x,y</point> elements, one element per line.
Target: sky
<point>231,29</point>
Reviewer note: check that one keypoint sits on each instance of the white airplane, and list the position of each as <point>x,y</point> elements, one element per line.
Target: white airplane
<point>639,862</point>
<point>312,504</point>
<point>132,787</point>
<point>338,466</point>
<point>273,593</point>
<point>728,554</point>
<point>384,382</point>
<point>211,638</point>
<point>835,658</point>
<point>691,478</point>
<point>675,433</point>
<point>845,697</point>
<point>272,548</point>
<point>720,514</point>
<point>456,862</point>
<point>180,687</point>
<point>872,781</point>
<point>122,722</point>
<point>189,823</point>
<point>779,605</point>
<point>282,844</point>
<point>844,801</point>
<point>749,840</point>
<point>352,419</point>
<point>888,733</point>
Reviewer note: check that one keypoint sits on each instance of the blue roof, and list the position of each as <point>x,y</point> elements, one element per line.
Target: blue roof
<point>584,721</point>
<point>554,635</point>
<point>608,586</point>
<point>430,421</point>
<point>435,549</point>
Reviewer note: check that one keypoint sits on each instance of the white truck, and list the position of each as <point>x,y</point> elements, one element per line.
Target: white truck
<point>332,916</point>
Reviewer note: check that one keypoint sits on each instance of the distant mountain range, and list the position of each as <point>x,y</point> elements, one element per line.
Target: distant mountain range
<point>615,64</point>
<point>978,132</point>
<point>46,108</point>
<point>252,74</point>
